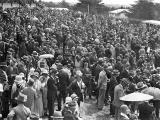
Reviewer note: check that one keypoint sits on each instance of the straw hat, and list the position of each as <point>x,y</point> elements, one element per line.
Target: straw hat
<point>140,85</point>
<point>21,98</point>
<point>22,75</point>
<point>124,80</point>
<point>35,53</point>
<point>115,72</point>
<point>3,64</point>
<point>36,74</point>
<point>68,99</point>
<point>78,73</point>
<point>44,71</point>
<point>72,105</point>
<point>74,96</point>
<point>18,79</point>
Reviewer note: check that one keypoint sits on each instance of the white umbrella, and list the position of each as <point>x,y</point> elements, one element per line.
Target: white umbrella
<point>136,97</point>
<point>46,56</point>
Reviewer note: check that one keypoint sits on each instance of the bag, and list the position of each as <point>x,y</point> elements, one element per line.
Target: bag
<point>153,116</point>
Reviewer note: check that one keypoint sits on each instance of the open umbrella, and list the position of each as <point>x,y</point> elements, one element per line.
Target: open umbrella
<point>155,92</point>
<point>46,56</point>
<point>136,97</point>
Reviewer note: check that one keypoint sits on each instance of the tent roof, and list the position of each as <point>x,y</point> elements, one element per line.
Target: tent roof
<point>119,11</point>
<point>154,22</point>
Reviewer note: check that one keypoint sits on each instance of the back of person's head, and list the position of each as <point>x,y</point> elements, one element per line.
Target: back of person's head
<point>30,82</point>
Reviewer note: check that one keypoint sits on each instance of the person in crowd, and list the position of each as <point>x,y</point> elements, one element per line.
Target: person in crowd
<point>119,92</point>
<point>20,112</point>
<point>31,94</point>
<point>77,86</point>
<point>51,92</point>
<point>63,84</point>
<point>113,83</point>
<point>102,86</point>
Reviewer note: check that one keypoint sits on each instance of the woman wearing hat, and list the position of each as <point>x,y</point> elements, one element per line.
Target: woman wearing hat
<point>20,112</point>
<point>38,104</point>
<point>44,79</point>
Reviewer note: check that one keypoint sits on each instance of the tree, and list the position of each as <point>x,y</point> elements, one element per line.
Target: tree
<point>95,6</point>
<point>143,9</point>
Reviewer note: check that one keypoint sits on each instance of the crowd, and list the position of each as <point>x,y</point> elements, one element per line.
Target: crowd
<point>85,56</point>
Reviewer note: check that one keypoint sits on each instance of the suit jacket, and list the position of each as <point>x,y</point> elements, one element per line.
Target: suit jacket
<point>119,67</point>
<point>74,88</point>
<point>145,111</point>
<point>118,92</point>
<point>102,81</point>
<point>136,79</point>
<point>98,69</point>
<point>124,74</point>
<point>113,83</point>
<point>19,113</point>
<point>52,89</point>
<point>63,80</point>
<point>69,116</point>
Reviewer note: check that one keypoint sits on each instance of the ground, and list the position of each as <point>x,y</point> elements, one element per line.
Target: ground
<point>89,111</point>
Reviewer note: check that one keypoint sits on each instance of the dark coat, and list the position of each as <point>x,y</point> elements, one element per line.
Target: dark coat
<point>74,88</point>
<point>69,116</point>
<point>98,69</point>
<point>52,89</point>
<point>145,111</point>
<point>136,79</point>
<point>119,67</point>
<point>124,74</point>
<point>113,83</point>
<point>63,80</point>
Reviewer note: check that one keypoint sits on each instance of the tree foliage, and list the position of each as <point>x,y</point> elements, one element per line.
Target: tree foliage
<point>143,9</point>
<point>95,6</point>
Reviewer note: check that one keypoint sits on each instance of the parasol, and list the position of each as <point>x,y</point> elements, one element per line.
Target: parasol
<point>136,97</point>
<point>155,92</point>
<point>46,56</point>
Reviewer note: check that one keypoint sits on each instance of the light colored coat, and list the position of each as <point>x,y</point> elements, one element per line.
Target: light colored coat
<point>102,81</point>
<point>118,92</point>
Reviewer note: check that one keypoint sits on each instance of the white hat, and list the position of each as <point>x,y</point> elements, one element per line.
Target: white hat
<point>18,79</point>
<point>44,71</point>
<point>1,87</point>
<point>31,71</point>
<point>79,73</point>
<point>22,75</point>
<point>68,99</point>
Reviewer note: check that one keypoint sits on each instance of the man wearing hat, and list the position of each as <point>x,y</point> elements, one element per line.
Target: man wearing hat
<point>119,92</point>
<point>113,82</point>
<point>63,84</point>
<point>70,113</point>
<point>137,77</point>
<point>52,91</point>
<point>20,112</point>
<point>124,73</point>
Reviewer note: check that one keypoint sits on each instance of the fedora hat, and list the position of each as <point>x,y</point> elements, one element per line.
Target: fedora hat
<point>9,57</point>
<point>21,98</point>
<point>78,73</point>
<point>124,109</point>
<point>124,80</point>
<point>131,73</point>
<point>59,66</point>
<point>115,72</point>
<point>25,58</point>
<point>3,64</point>
<point>140,85</point>
<point>71,105</point>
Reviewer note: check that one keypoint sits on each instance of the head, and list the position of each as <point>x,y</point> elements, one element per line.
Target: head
<point>124,109</point>
<point>124,82</point>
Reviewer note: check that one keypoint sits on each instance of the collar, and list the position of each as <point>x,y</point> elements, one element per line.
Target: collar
<point>122,114</point>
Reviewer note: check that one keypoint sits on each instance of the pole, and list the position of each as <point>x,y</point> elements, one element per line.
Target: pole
<point>88,8</point>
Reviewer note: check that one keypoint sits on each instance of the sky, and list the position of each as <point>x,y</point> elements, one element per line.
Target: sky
<point>121,2</point>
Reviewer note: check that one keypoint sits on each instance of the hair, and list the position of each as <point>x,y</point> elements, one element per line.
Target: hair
<point>30,82</point>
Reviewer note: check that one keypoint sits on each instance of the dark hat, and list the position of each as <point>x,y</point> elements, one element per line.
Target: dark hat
<point>71,105</point>
<point>124,80</point>
<point>118,58</point>
<point>140,85</point>
<point>9,57</point>
<point>131,73</point>
<point>115,72</point>
<point>21,98</point>
<point>68,54</point>
<point>59,66</point>
<point>25,58</point>
<point>3,64</point>
<point>30,82</point>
